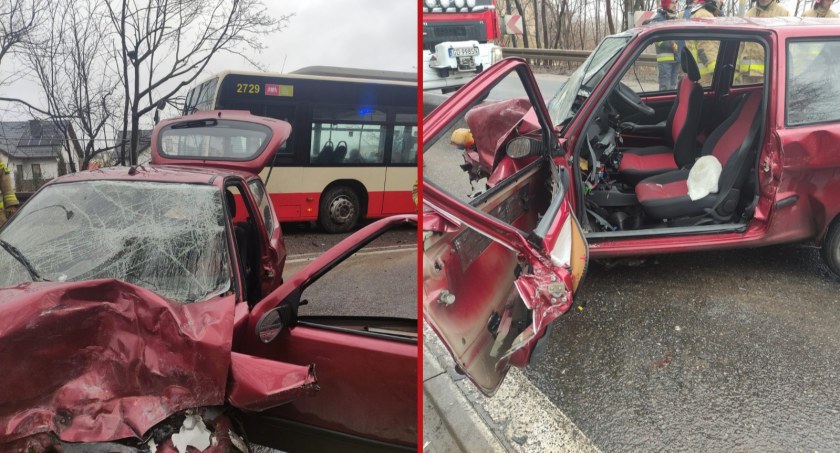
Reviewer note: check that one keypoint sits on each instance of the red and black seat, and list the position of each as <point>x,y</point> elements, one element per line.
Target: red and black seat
<point>682,125</point>
<point>665,196</point>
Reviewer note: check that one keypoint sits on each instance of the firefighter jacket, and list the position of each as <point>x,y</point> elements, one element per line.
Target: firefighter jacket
<point>9,200</point>
<point>751,55</point>
<point>819,11</point>
<point>704,52</point>
<point>666,51</point>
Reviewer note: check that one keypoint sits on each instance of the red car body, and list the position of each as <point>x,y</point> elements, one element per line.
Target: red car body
<point>793,177</point>
<point>118,367</point>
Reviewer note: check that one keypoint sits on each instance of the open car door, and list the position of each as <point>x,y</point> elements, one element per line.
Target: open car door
<point>360,344</point>
<point>501,265</point>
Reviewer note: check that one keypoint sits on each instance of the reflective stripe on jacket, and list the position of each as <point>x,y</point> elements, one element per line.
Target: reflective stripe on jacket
<point>704,52</point>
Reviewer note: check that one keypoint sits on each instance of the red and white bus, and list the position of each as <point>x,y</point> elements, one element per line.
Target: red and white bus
<point>352,154</point>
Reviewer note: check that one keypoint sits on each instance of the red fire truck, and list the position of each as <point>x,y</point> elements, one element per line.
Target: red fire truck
<point>458,41</point>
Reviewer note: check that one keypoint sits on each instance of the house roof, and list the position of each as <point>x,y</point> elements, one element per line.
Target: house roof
<point>32,139</point>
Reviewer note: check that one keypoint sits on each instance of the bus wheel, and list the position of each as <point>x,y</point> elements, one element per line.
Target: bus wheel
<point>339,210</point>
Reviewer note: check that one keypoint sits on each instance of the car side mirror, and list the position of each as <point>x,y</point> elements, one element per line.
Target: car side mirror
<point>284,316</point>
<point>521,147</point>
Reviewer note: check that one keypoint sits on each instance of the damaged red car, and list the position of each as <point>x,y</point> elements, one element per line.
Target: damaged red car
<point>739,151</point>
<point>144,309</point>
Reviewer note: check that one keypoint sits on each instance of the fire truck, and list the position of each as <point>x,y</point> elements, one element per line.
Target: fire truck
<point>458,41</point>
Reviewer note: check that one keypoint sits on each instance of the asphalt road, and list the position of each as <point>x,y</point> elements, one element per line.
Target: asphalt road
<point>720,351</point>
<point>310,238</point>
<point>379,280</point>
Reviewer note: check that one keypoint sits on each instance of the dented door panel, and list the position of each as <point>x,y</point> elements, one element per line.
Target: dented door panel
<point>491,289</point>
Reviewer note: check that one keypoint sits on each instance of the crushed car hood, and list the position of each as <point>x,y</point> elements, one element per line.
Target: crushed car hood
<point>103,360</point>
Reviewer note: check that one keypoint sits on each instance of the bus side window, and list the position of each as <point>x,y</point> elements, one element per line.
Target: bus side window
<point>345,135</point>
<point>404,146</point>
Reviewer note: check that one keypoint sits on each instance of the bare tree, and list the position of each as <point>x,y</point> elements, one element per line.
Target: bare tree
<point>521,12</point>
<point>69,59</point>
<point>544,24</point>
<point>164,46</point>
<point>18,21</point>
<point>536,23</point>
<point>609,13</point>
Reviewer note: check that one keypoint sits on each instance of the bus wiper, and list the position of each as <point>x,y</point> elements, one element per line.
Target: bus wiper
<point>16,254</point>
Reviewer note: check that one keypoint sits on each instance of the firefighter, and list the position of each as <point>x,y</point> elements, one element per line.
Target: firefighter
<point>704,52</point>
<point>9,203</point>
<point>750,69</point>
<point>822,8</point>
<point>666,51</point>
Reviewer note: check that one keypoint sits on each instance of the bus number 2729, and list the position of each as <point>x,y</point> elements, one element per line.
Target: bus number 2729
<point>248,88</point>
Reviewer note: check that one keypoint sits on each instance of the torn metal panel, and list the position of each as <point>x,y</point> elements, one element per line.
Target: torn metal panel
<point>258,384</point>
<point>103,360</point>
<point>491,124</point>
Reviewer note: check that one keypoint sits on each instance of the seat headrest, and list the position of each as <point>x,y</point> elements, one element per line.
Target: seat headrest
<point>689,66</point>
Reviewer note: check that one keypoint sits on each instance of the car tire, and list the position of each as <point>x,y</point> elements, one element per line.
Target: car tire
<point>830,249</point>
<point>339,210</point>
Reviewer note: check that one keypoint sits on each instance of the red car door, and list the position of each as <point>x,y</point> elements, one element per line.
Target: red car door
<point>500,268</point>
<point>365,398</point>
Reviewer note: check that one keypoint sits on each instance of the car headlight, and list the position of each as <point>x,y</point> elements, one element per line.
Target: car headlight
<point>496,54</point>
<point>459,3</point>
<point>445,3</point>
<point>471,3</point>
<point>429,3</point>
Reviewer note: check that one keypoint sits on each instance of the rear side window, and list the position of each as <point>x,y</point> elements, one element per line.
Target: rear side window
<point>813,73</point>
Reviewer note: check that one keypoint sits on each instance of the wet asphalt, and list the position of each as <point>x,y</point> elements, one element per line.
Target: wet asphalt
<point>714,351</point>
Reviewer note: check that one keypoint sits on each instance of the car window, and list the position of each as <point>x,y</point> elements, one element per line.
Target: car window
<point>658,68</point>
<point>466,151</point>
<point>813,69</point>
<point>749,70</point>
<point>264,203</point>
<point>169,238</point>
<point>371,282</point>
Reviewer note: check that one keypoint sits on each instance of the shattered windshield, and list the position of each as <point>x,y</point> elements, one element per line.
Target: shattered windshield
<point>169,238</point>
<point>587,76</point>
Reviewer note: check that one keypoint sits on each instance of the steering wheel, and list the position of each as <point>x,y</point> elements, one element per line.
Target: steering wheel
<point>629,98</point>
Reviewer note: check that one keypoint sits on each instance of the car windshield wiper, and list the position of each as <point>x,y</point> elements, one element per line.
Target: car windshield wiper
<point>16,254</point>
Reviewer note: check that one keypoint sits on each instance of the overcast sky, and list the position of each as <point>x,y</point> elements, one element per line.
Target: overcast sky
<point>370,34</point>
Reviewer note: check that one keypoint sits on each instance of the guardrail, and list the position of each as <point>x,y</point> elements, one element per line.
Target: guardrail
<point>563,55</point>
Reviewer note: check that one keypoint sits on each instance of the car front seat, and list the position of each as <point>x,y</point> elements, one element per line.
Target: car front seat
<point>665,196</point>
<point>683,123</point>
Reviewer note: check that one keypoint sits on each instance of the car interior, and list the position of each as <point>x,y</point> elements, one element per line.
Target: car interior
<point>635,170</point>
<point>247,243</point>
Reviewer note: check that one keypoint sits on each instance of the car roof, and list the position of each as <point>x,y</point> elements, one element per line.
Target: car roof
<point>157,173</point>
<point>784,26</point>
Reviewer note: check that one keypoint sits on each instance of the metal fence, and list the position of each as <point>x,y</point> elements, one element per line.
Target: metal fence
<point>563,55</point>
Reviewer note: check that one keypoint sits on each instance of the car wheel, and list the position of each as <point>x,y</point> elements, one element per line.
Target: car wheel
<point>340,210</point>
<point>830,250</point>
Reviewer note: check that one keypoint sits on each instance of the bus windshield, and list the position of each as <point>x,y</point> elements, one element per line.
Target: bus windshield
<point>201,97</point>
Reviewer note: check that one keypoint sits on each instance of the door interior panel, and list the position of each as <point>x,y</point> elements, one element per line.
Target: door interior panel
<point>480,274</point>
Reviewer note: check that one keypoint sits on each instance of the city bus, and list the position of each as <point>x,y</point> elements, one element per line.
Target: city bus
<point>352,154</point>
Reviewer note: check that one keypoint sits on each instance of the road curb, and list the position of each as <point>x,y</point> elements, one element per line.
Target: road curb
<point>468,431</point>
<point>518,418</point>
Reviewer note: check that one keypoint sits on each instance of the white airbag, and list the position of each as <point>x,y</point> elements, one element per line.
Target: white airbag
<point>703,177</point>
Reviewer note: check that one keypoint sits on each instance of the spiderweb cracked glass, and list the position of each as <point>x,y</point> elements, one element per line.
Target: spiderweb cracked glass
<point>169,238</point>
